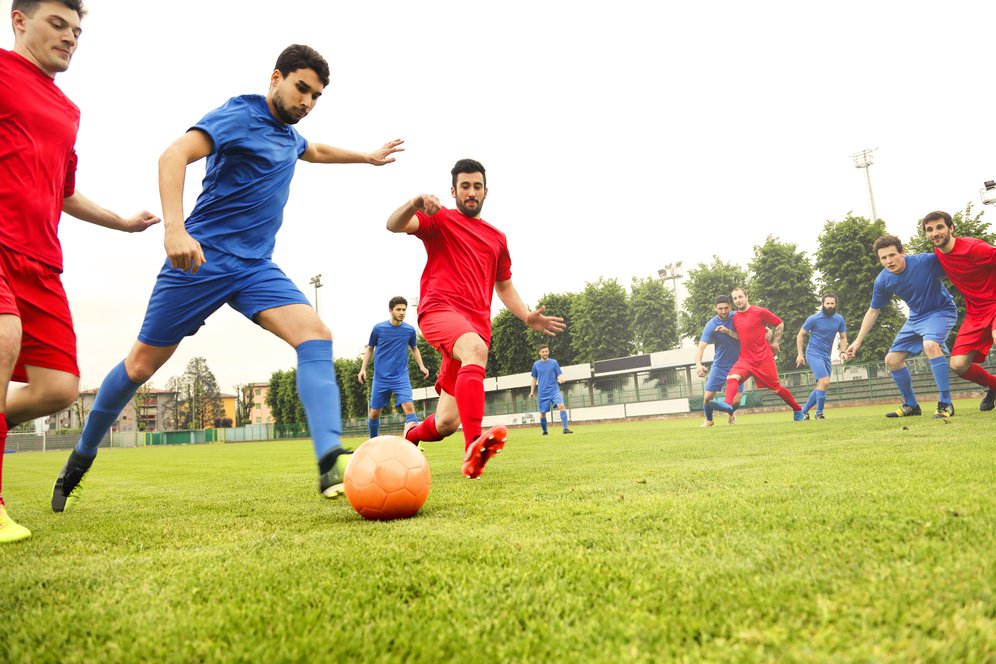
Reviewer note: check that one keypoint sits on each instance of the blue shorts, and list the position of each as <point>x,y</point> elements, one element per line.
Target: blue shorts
<point>548,402</point>
<point>716,380</point>
<point>820,364</point>
<point>935,327</point>
<point>181,302</point>
<point>381,391</point>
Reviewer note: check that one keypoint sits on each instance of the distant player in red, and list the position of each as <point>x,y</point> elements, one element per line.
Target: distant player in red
<point>37,184</point>
<point>971,266</point>
<point>757,356</point>
<point>467,261</point>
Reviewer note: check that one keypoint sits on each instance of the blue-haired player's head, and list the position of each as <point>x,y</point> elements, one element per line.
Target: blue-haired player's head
<point>398,306</point>
<point>470,186</point>
<point>828,304</point>
<point>297,81</point>
<point>891,254</point>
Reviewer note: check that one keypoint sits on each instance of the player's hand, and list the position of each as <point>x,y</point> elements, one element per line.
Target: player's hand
<point>851,351</point>
<point>775,348</point>
<point>425,372</point>
<point>426,203</point>
<point>723,329</point>
<point>184,252</point>
<point>560,380</point>
<point>800,361</point>
<point>140,221</point>
<point>383,155</point>
<point>362,377</point>
<point>700,371</point>
<point>530,396</point>
<point>548,325</point>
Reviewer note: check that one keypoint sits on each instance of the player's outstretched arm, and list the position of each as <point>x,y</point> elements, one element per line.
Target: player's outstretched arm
<point>843,345</point>
<point>84,209</point>
<point>403,220</point>
<point>867,323</point>
<point>184,252</point>
<point>534,319</point>
<point>800,358</point>
<point>319,153</point>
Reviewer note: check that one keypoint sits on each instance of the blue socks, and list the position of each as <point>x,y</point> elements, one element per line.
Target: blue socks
<point>374,426</point>
<point>904,381</point>
<point>707,409</point>
<point>543,422</point>
<point>411,417</point>
<point>114,394</point>
<point>939,367</point>
<point>811,401</point>
<point>563,419</point>
<point>821,400</point>
<point>320,395</point>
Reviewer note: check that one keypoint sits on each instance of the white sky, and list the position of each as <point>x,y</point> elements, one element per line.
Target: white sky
<point>618,137</point>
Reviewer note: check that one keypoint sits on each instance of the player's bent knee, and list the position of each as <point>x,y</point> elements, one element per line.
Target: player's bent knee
<point>960,364</point>
<point>931,347</point>
<point>446,425</point>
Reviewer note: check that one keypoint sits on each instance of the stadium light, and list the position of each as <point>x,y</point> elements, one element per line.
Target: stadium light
<point>864,159</point>
<point>988,192</point>
<point>671,272</point>
<point>316,281</point>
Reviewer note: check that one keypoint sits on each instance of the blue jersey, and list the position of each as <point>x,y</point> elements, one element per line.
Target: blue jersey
<point>822,330</point>
<point>727,349</point>
<point>391,343</point>
<point>546,374</point>
<point>919,286</point>
<point>248,178</point>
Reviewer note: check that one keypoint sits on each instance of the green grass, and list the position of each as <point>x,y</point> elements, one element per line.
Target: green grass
<point>853,539</point>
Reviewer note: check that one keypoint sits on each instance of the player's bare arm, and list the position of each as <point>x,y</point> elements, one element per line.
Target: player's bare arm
<point>319,153</point>
<point>184,252</point>
<point>84,209</point>
<point>700,370</point>
<point>362,375</point>
<point>418,360</point>
<point>403,220</point>
<point>777,337</point>
<point>867,323</point>
<point>535,319</point>
<point>532,388</point>
<point>843,344</point>
<point>800,359</point>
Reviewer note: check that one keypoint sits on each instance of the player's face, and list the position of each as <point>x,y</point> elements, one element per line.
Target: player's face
<point>892,259</point>
<point>293,96</point>
<point>399,311</point>
<point>469,193</point>
<point>938,233</point>
<point>829,306</point>
<point>722,310</point>
<point>544,353</point>
<point>49,36</point>
<point>740,300</point>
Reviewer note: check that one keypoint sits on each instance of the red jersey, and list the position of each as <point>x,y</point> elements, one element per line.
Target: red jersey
<point>465,258</point>
<point>38,126</point>
<point>971,267</point>
<point>751,327</point>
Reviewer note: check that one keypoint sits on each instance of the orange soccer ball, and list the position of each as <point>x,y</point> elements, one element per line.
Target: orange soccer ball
<point>387,478</point>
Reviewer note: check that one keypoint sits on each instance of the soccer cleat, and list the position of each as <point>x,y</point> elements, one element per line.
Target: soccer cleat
<point>805,417</point>
<point>905,411</point>
<point>568,431</point>
<point>944,411</point>
<point>546,433</point>
<point>68,487</point>
<point>330,484</point>
<point>819,416</point>
<point>481,450</point>
<point>988,401</point>
<point>799,416</point>
<point>707,423</point>
<point>732,419</point>
<point>11,531</point>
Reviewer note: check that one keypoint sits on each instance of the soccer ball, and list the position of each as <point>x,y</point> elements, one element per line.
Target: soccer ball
<point>387,478</point>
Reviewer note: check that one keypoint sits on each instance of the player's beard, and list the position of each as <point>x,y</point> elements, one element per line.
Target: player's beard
<point>470,213</point>
<point>829,312</point>
<point>285,115</point>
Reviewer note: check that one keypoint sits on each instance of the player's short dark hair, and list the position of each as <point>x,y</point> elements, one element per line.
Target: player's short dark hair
<point>887,241</point>
<point>395,301</point>
<point>740,288</point>
<point>299,56</point>
<point>542,346</point>
<point>937,215</point>
<point>468,166</point>
<point>28,7</point>
<point>721,299</point>
<point>826,295</point>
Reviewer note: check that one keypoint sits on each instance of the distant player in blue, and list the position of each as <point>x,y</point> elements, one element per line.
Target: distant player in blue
<point>823,328</point>
<point>917,280</point>
<point>391,340</point>
<point>721,332</point>
<point>221,255</point>
<point>548,378</point>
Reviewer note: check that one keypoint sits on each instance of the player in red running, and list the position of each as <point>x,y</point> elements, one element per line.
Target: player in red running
<point>757,357</point>
<point>971,266</point>
<point>467,261</point>
<point>38,126</point>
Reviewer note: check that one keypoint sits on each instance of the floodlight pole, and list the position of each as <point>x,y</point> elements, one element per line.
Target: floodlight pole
<point>672,272</point>
<point>316,281</point>
<point>864,159</point>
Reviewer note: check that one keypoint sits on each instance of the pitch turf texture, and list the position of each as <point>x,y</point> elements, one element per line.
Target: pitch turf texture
<point>853,539</point>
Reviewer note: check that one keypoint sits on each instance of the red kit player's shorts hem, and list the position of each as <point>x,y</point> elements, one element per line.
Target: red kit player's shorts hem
<point>975,337</point>
<point>765,375</point>
<point>442,328</point>
<point>33,291</point>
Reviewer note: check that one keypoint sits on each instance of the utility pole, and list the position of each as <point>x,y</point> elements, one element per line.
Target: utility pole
<point>316,281</point>
<point>864,159</point>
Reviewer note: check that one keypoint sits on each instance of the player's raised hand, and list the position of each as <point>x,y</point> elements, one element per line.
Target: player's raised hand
<point>184,252</point>
<point>383,155</point>
<point>426,203</point>
<point>140,221</point>
<point>548,325</point>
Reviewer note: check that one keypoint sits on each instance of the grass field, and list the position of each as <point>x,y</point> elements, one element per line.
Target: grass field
<point>853,539</point>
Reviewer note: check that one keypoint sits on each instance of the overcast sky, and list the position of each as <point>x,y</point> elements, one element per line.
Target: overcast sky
<point>618,137</point>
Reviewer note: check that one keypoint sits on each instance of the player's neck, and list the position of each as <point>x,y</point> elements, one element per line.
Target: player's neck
<point>948,246</point>
<point>395,323</point>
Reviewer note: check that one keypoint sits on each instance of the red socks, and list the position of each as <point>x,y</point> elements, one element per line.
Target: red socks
<point>469,393</point>
<point>787,398</point>
<point>426,430</point>
<point>732,387</point>
<point>978,375</point>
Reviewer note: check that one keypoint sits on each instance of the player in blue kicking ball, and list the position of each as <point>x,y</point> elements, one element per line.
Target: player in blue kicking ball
<point>917,280</point>
<point>547,379</point>
<point>721,332</point>
<point>390,340</point>
<point>822,328</point>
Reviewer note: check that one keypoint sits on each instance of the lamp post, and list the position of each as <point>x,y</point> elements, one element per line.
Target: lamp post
<point>988,192</point>
<point>672,272</point>
<point>316,281</point>
<point>864,159</point>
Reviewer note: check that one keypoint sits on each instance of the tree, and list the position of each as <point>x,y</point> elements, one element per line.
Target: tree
<point>655,320</point>
<point>703,284</point>
<point>430,358</point>
<point>510,346</point>
<point>273,399</point>
<point>244,402</point>
<point>602,322</point>
<point>198,397</point>
<point>139,401</point>
<point>354,396</point>
<point>561,346</point>
<point>847,267</point>
<point>781,279</point>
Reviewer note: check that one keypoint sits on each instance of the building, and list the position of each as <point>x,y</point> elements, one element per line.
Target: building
<point>149,410</point>
<point>260,411</point>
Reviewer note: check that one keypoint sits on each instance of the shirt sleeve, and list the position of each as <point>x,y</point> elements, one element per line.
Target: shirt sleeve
<point>426,225</point>
<point>881,294</point>
<point>556,368</point>
<point>373,337</point>
<point>983,252</point>
<point>841,324</point>
<point>707,332</point>
<point>411,338</point>
<point>770,317</point>
<point>226,125</point>
<point>808,325</point>
<point>69,186</point>
<point>533,373</point>
<point>504,268</point>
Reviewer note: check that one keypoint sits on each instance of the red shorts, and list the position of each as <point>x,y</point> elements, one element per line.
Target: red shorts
<point>765,373</point>
<point>33,291</point>
<point>975,337</point>
<point>441,328</point>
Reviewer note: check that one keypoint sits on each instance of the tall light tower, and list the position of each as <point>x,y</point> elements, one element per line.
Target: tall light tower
<point>672,272</point>
<point>316,281</point>
<point>988,192</point>
<point>863,159</point>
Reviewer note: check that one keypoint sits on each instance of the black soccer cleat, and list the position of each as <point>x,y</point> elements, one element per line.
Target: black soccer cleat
<point>819,416</point>
<point>568,431</point>
<point>944,411</point>
<point>68,485</point>
<point>988,401</point>
<point>905,411</point>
